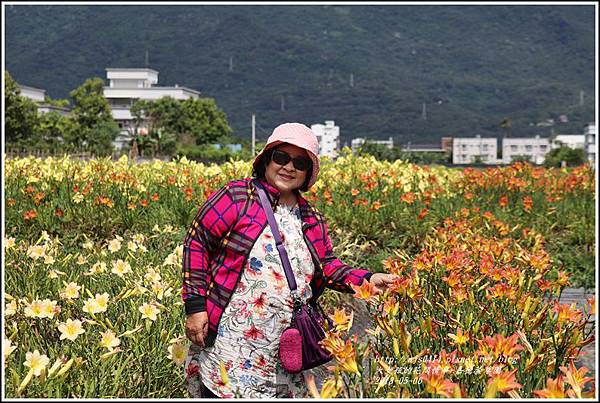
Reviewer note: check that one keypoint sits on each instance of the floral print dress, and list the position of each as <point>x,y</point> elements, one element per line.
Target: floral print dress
<point>247,343</point>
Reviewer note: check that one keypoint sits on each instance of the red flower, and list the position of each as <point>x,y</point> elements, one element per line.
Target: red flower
<point>192,370</point>
<point>29,215</point>
<point>260,301</point>
<point>422,214</point>
<point>253,333</point>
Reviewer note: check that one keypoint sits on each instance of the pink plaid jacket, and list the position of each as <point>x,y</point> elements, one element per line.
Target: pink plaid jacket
<point>221,238</point>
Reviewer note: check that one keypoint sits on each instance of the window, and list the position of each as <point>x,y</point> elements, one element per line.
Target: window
<point>464,146</point>
<point>542,148</point>
<point>513,148</point>
<point>528,148</point>
<point>485,147</point>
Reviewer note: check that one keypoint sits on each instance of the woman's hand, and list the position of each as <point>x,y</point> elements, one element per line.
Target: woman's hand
<point>381,281</point>
<point>196,327</point>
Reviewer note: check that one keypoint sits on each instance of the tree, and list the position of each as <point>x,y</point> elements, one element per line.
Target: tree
<point>202,119</point>
<point>21,116</point>
<point>56,131</point>
<point>91,109</point>
<point>101,136</point>
<point>379,151</point>
<point>573,157</point>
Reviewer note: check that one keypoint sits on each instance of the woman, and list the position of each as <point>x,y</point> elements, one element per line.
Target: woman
<point>236,295</point>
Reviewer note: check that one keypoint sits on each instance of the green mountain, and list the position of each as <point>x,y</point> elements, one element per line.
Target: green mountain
<point>415,73</point>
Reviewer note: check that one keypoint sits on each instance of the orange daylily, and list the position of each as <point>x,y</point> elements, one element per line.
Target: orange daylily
<point>576,378</point>
<point>436,383</point>
<point>459,338</point>
<point>505,381</point>
<point>555,388</point>
<point>364,291</point>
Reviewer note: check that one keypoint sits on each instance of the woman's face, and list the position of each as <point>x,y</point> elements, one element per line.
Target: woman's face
<point>286,178</point>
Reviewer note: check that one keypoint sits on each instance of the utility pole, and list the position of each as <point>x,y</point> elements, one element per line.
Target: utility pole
<point>230,63</point>
<point>351,79</point>
<point>253,134</point>
<point>146,58</point>
<point>424,111</point>
<point>282,104</point>
<point>581,94</point>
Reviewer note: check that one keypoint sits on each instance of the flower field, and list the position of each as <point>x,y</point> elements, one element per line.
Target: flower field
<point>92,276</point>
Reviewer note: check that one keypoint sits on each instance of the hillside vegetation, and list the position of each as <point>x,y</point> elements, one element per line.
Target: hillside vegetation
<point>473,66</point>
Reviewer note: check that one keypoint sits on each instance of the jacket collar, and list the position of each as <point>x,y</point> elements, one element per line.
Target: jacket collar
<point>306,210</point>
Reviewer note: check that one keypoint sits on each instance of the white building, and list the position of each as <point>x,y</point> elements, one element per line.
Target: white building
<point>35,94</point>
<point>466,150</point>
<point>589,131</point>
<point>39,96</point>
<point>329,138</point>
<point>360,141</point>
<point>534,148</point>
<point>127,85</point>
<point>569,140</point>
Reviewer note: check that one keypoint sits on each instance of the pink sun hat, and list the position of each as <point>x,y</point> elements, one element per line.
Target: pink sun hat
<point>299,135</point>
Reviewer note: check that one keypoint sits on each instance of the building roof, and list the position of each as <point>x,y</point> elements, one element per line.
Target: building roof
<point>153,88</point>
<point>30,88</point>
<point>130,69</point>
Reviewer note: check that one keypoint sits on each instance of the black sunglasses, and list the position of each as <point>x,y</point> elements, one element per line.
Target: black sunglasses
<point>282,158</point>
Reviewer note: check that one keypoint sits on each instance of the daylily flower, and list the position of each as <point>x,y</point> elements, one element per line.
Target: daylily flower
<point>555,388</point>
<point>102,302</point>
<point>148,311</point>
<point>120,267</point>
<point>576,378</point>
<point>71,291</point>
<point>341,321</point>
<point>109,340</point>
<point>459,338</point>
<point>36,362</point>
<point>8,348</point>
<point>177,353</point>
<point>505,381</point>
<point>114,245</point>
<point>34,309</point>
<point>71,329</point>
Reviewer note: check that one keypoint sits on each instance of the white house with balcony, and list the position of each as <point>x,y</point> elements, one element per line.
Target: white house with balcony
<point>38,96</point>
<point>329,138</point>
<point>589,131</point>
<point>467,150</point>
<point>533,148</point>
<point>127,85</point>
<point>358,142</point>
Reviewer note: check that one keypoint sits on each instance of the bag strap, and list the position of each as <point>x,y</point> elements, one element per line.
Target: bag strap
<point>287,267</point>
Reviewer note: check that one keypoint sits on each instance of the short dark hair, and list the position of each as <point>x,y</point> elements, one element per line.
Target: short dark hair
<point>261,167</point>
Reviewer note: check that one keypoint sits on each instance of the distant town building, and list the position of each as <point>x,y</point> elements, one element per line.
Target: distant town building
<point>35,94</point>
<point>127,85</point>
<point>589,131</point>
<point>329,138</point>
<point>467,150</point>
<point>39,97</point>
<point>358,142</point>
<point>568,140</point>
<point>534,148</point>
<point>447,144</point>
<point>422,148</point>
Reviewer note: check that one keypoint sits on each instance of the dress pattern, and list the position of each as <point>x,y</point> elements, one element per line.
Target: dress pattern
<point>260,309</point>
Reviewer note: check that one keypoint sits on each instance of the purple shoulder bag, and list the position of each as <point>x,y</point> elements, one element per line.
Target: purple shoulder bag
<point>299,347</point>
